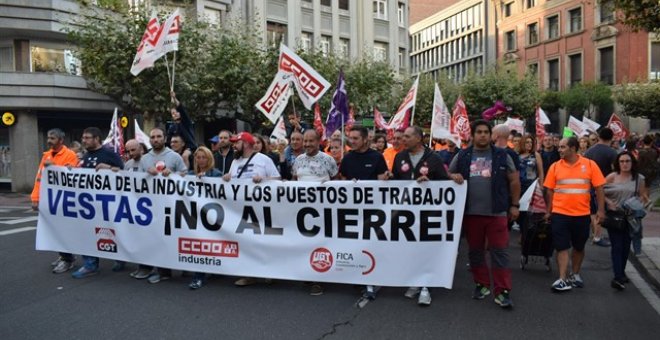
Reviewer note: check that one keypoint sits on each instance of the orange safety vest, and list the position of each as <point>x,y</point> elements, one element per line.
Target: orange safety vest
<point>64,157</point>
<point>571,184</point>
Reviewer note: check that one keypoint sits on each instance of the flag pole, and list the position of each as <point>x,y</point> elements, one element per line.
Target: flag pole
<point>173,69</point>
<point>341,130</point>
<point>169,77</point>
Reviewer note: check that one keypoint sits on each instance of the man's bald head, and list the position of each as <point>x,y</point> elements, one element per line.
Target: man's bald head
<point>134,149</point>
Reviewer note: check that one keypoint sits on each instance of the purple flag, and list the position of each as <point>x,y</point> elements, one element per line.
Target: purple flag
<point>338,108</point>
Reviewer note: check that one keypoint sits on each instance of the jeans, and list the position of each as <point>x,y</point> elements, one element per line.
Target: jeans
<point>494,229</point>
<point>620,240</point>
<point>637,241</point>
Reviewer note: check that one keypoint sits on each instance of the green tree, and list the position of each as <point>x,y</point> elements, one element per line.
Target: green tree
<point>639,14</point>
<point>640,100</point>
<point>501,83</point>
<point>587,97</point>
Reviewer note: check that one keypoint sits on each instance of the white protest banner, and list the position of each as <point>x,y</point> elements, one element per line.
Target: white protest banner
<point>168,40</point>
<point>593,126</point>
<point>440,117</point>
<point>274,102</point>
<point>515,124</point>
<point>389,233</point>
<point>140,136</point>
<point>310,84</point>
<point>144,58</point>
<point>579,128</point>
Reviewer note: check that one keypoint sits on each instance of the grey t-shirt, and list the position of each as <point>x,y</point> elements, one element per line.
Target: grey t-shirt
<point>603,155</point>
<point>172,160</point>
<point>415,158</point>
<point>133,165</point>
<point>479,194</point>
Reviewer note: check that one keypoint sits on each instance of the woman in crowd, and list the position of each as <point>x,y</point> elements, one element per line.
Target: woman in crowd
<point>179,146</point>
<point>261,144</point>
<point>203,166</point>
<point>380,143</point>
<point>335,150</point>
<point>531,168</point>
<point>622,184</point>
<point>583,145</point>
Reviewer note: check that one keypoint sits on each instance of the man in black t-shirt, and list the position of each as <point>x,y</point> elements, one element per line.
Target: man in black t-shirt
<point>99,158</point>
<point>363,163</point>
<point>604,155</point>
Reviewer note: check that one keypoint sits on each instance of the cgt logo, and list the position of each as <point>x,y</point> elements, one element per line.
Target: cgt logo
<point>106,241</point>
<point>321,260</point>
<point>195,246</point>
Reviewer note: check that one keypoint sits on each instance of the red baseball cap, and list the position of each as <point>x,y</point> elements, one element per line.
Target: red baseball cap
<point>244,136</point>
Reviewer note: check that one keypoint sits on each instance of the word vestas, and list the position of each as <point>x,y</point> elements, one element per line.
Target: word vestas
<point>113,208</point>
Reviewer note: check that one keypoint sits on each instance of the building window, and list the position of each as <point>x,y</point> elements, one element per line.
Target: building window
<point>343,4</point>
<point>575,20</point>
<point>213,16</point>
<point>380,9</point>
<point>380,51</point>
<point>306,41</point>
<point>530,3</point>
<point>553,75</point>
<point>533,69</point>
<point>606,11</point>
<point>6,59</point>
<point>402,58</point>
<point>655,60</point>
<point>532,33</point>
<point>326,3</point>
<point>552,24</point>
<point>401,13</point>
<point>325,45</point>
<point>510,38</point>
<point>54,60</point>
<point>275,33</point>
<point>607,65</point>
<point>575,68</point>
<point>344,48</point>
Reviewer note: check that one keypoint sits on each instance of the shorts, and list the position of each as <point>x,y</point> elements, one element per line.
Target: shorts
<point>570,231</point>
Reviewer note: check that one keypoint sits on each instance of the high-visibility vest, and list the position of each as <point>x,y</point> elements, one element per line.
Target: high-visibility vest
<point>571,184</point>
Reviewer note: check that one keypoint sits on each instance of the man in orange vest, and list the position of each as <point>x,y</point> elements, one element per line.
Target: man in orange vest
<point>58,154</point>
<point>569,182</point>
<point>397,145</point>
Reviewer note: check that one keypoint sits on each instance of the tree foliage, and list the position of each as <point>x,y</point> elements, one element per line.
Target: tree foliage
<point>639,14</point>
<point>587,98</point>
<point>640,100</point>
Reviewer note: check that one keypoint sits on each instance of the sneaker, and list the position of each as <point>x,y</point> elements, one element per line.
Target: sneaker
<point>424,297</point>
<point>618,285</point>
<point>84,272</point>
<point>142,274</point>
<point>480,292</point>
<point>412,292</point>
<point>62,266</point>
<point>561,286</point>
<point>196,284</point>
<point>625,279</point>
<point>118,266</point>
<point>503,300</point>
<point>316,290</point>
<point>370,292</point>
<point>56,262</point>
<point>156,277</point>
<point>515,226</point>
<point>601,242</point>
<point>245,281</point>
<point>576,281</point>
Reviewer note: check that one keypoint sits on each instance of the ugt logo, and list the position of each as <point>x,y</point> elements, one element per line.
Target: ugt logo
<point>321,260</point>
<point>106,240</point>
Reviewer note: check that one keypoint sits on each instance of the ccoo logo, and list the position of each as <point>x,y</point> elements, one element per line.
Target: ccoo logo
<point>321,260</point>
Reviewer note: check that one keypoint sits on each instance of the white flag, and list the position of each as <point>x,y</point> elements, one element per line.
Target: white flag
<point>593,126</point>
<point>310,84</point>
<point>116,135</point>
<point>543,117</point>
<point>140,136</point>
<point>441,118</point>
<point>399,120</point>
<point>274,102</point>
<point>579,128</point>
<point>515,124</point>
<point>168,39</point>
<point>279,130</point>
<point>144,58</point>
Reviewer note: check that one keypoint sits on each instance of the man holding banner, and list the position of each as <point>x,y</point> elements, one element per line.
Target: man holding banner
<point>420,163</point>
<point>493,193</point>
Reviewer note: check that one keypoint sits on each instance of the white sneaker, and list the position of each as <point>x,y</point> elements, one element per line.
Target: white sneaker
<point>412,292</point>
<point>424,297</point>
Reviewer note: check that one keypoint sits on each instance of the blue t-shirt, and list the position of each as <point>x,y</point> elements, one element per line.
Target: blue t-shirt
<point>363,166</point>
<point>101,155</point>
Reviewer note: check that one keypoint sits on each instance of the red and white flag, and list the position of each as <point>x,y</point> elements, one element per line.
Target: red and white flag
<point>310,84</point>
<point>379,121</point>
<point>116,135</point>
<point>144,58</point>
<point>617,126</point>
<point>580,129</point>
<point>140,136</point>
<point>541,119</point>
<point>168,39</point>
<point>279,130</point>
<point>460,122</point>
<point>318,122</point>
<point>441,118</point>
<point>274,102</point>
<point>401,119</point>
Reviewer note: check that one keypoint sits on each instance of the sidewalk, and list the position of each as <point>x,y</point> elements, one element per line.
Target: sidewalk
<point>648,263</point>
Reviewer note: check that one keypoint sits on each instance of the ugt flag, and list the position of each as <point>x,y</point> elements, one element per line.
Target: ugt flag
<point>460,122</point>
<point>401,119</point>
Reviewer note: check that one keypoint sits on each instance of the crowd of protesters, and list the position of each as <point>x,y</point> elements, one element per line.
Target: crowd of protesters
<point>586,183</point>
